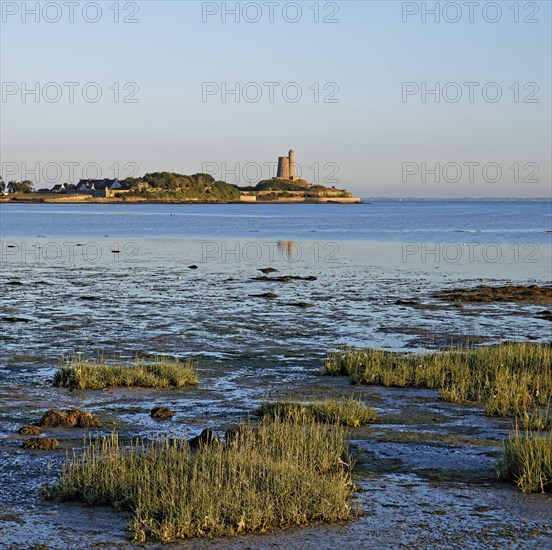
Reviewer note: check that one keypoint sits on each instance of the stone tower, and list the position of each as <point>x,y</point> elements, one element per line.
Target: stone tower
<point>279,171</point>
<point>283,168</point>
<point>291,158</point>
<point>286,167</point>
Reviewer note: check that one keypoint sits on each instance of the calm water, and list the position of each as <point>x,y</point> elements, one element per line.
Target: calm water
<point>133,262</point>
<point>391,221</point>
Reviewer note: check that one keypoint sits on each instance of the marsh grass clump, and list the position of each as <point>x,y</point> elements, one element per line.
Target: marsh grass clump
<point>280,474</point>
<point>536,420</point>
<point>527,460</point>
<point>345,412</point>
<point>162,372</point>
<point>512,378</point>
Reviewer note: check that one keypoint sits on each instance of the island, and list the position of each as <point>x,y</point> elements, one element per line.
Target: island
<point>171,187</point>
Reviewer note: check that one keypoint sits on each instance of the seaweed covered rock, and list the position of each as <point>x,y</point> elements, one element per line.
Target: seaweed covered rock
<point>532,294</point>
<point>29,430</point>
<point>267,295</point>
<point>238,432</point>
<point>285,278</point>
<point>41,444</point>
<point>161,413</point>
<point>206,437</point>
<point>69,418</point>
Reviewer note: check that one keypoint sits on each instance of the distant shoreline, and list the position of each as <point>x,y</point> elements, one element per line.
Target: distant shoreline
<point>101,200</point>
<point>334,200</point>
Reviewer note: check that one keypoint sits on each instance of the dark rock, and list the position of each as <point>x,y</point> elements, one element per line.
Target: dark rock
<point>302,304</point>
<point>407,303</point>
<point>268,295</point>
<point>268,270</point>
<point>15,320</point>
<point>546,315</point>
<point>206,437</point>
<point>29,430</point>
<point>285,278</point>
<point>532,294</point>
<point>70,418</point>
<point>237,432</point>
<point>41,444</point>
<point>16,283</point>
<point>416,304</point>
<point>89,298</point>
<point>161,413</point>
<point>192,266</point>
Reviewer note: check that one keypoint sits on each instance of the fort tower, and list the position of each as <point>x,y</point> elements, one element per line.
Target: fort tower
<point>291,158</point>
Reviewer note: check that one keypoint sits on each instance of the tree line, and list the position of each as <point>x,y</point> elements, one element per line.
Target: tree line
<point>25,186</point>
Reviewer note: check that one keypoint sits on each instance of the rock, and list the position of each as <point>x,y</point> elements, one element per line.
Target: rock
<point>15,320</point>
<point>237,432</point>
<point>69,418</point>
<point>161,413</point>
<point>89,298</point>
<point>407,302</point>
<point>18,283</point>
<point>302,304</point>
<point>29,430</point>
<point>415,303</point>
<point>545,314</point>
<point>206,437</point>
<point>285,278</point>
<point>532,294</point>
<point>41,444</point>
<point>268,270</point>
<point>192,266</point>
<point>268,295</point>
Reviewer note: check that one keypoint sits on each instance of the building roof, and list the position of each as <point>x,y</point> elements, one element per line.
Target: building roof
<point>99,184</point>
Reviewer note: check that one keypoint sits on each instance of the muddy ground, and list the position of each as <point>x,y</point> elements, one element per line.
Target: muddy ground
<point>425,471</point>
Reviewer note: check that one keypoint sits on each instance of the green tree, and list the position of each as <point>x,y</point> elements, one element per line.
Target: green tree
<point>25,186</point>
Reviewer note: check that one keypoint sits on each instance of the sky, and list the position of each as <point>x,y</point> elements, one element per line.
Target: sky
<point>117,89</point>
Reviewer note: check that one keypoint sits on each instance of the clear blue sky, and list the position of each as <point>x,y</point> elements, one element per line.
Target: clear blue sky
<point>369,133</point>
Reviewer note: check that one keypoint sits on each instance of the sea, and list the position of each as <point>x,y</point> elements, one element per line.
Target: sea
<point>388,221</point>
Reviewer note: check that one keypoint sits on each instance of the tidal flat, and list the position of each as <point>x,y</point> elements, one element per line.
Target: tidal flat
<point>425,469</point>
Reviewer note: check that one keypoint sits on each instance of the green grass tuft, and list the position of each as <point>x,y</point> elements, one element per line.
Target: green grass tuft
<point>527,460</point>
<point>162,372</point>
<point>513,378</point>
<point>345,412</point>
<point>279,474</point>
